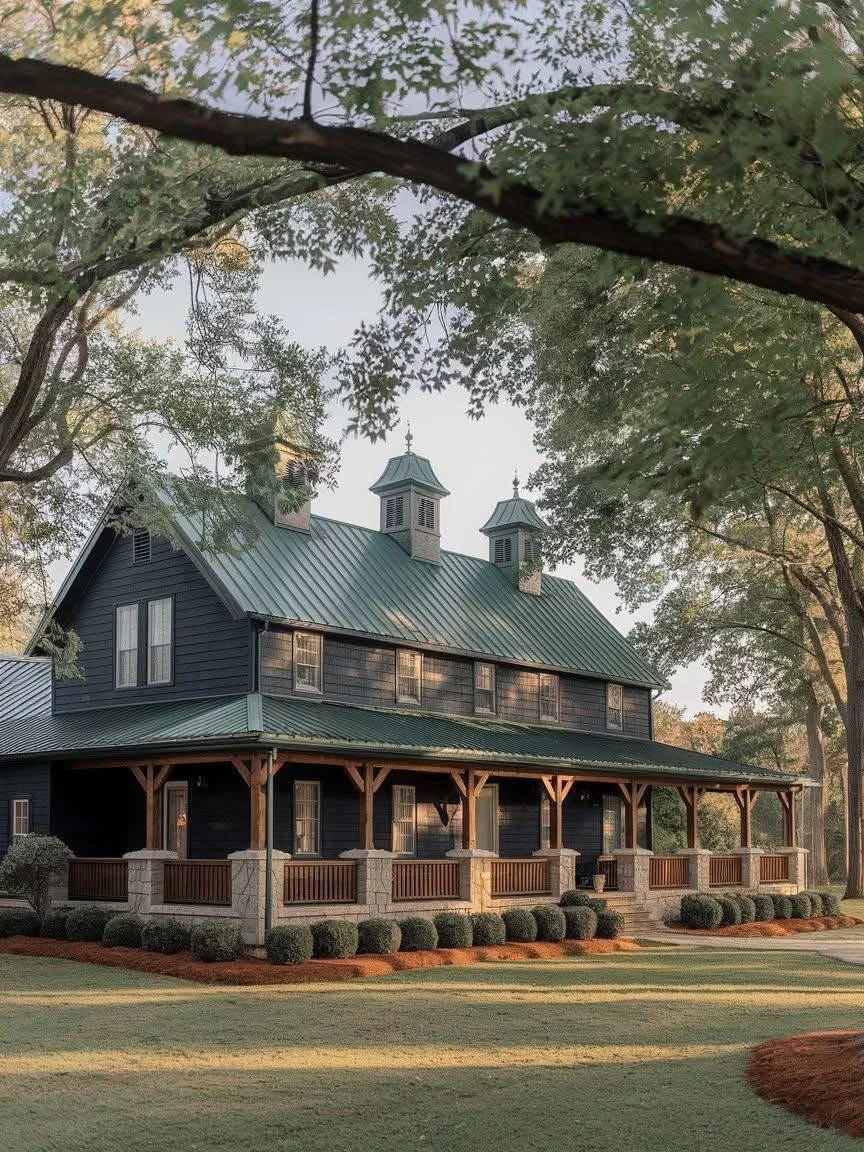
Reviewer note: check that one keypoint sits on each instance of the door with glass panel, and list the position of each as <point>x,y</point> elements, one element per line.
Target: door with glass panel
<point>175,823</point>
<point>487,818</point>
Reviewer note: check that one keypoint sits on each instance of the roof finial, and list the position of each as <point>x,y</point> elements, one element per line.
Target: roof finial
<point>516,486</point>
<point>409,439</point>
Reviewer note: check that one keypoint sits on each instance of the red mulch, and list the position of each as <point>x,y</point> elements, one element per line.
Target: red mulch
<point>776,927</point>
<point>251,971</point>
<point>816,1076</point>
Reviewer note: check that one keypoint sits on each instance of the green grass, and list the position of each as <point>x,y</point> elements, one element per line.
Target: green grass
<point>641,1051</point>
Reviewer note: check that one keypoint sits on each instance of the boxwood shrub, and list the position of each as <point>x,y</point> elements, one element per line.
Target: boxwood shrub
<point>801,906</point>
<point>166,935</point>
<point>54,924</point>
<point>748,908</point>
<point>520,926</point>
<point>215,940</point>
<point>700,911</point>
<point>87,922</point>
<point>454,930</point>
<point>378,937</point>
<point>334,939</point>
<point>817,908</point>
<point>288,944</point>
<point>551,923</point>
<point>610,924</point>
<point>488,929</point>
<point>418,934</point>
<point>782,907</point>
<point>764,906</point>
<point>18,922</point>
<point>123,931</point>
<point>581,922</point>
<point>830,903</point>
<point>731,911</point>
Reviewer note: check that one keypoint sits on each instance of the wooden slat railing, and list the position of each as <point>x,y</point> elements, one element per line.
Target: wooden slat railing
<point>320,882</point>
<point>773,869</point>
<point>724,871</point>
<point>669,872</point>
<point>521,877</point>
<point>608,867</point>
<point>197,882</point>
<point>425,880</point>
<point>98,879</point>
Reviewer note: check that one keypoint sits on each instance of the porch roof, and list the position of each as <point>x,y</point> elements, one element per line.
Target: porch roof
<point>254,720</point>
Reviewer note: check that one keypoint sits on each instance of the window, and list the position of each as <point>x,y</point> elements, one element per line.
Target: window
<point>307,662</point>
<point>426,513</point>
<point>307,817</point>
<point>160,640</point>
<point>408,665</point>
<point>404,820</point>
<point>614,707</point>
<point>484,688</point>
<point>613,822</point>
<point>126,646</point>
<point>141,547</point>
<point>503,552</point>
<point>545,819</point>
<point>20,819</point>
<point>393,512</point>
<point>548,696</point>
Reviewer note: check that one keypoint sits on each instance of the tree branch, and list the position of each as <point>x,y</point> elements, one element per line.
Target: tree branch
<point>313,55</point>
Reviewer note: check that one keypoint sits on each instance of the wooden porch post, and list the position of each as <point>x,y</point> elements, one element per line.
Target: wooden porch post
<point>254,772</point>
<point>745,798</point>
<point>469,784</point>
<point>557,788</point>
<point>632,794</point>
<point>691,794</point>
<point>151,777</point>
<point>787,799</point>
<point>367,784</point>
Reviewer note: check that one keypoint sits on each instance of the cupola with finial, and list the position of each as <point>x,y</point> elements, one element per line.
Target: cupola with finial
<point>287,497</point>
<point>410,495</point>
<point>514,530</point>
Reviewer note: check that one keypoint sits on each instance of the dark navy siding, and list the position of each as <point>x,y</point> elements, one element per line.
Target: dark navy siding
<point>25,782</point>
<point>340,808</point>
<point>98,812</point>
<point>211,650</point>
<point>219,810</point>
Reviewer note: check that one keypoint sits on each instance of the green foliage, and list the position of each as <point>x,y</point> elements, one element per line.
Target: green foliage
<point>488,929</point>
<point>123,931</point>
<point>520,925</point>
<point>700,911</point>
<point>87,922</point>
<point>454,930</point>
<point>29,868</point>
<point>289,944</point>
<point>801,906</point>
<point>610,925</point>
<point>418,934</point>
<point>379,937</point>
<point>731,911</point>
<point>18,922</point>
<point>165,934</point>
<point>216,940</point>
<point>551,922</point>
<point>830,903</point>
<point>334,939</point>
<point>747,906</point>
<point>54,924</point>
<point>581,922</point>
<point>817,908</point>
<point>782,907</point>
<point>763,905</point>
<point>576,897</point>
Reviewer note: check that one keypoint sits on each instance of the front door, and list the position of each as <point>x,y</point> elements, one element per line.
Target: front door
<point>176,818</point>
<point>487,818</point>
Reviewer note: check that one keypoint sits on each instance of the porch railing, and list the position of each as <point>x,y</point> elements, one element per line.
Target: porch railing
<point>724,871</point>
<point>773,869</point>
<point>521,877</point>
<point>425,880</point>
<point>197,882</point>
<point>99,879</point>
<point>608,867</point>
<point>320,882</point>
<point>669,872</point>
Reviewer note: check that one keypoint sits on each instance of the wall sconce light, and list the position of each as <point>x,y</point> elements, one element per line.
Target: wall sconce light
<point>201,783</point>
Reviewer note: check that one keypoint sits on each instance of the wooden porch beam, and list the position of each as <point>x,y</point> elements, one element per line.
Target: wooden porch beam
<point>138,771</point>
<point>380,776</point>
<point>244,770</point>
<point>258,803</point>
<point>357,780</point>
<point>459,782</point>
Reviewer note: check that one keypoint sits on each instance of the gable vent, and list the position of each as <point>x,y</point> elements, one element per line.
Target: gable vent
<point>503,550</point>
<point>426,513</point>
<point>141,546</point>
<point>393,511</point>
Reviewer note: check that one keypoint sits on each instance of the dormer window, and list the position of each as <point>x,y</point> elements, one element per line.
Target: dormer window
<point>484,688</point>
<point>141,546</point>
<point>548,696</point>
<point>503,553</point>
<point>394,516</point>
<point>408,676</point>
<point>307,662</point>
<point>614,707</point>
<point>426,513</point>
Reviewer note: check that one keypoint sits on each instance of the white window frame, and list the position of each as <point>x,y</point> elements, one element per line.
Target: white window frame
<point>403,697</point>
<point>491,792</point>
<point>317,643</point>
<point>549,678</point>
<point>481,666</point>
<point>119,610</point>
<point>613,823</point>
<point>152,605</point>
<point>404,819</point>
<point>614,691</point>
<point>545,819</point>
<point>20,818</point>
<point>310,817</point>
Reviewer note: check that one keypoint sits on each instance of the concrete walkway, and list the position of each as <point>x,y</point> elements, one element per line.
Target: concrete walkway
<point>845,944</point>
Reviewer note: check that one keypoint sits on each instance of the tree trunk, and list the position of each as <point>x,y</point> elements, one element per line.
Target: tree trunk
<point>855,746</point>
<point>813,800</point>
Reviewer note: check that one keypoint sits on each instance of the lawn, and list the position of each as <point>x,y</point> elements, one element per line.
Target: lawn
<point>640,1051</point>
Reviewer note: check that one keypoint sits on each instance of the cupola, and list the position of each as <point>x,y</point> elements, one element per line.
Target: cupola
<point>410,495</point>
<point>514,530</point>
<point>287,497</point>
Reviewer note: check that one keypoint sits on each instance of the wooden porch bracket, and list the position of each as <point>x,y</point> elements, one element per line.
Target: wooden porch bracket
<point>151,777</point>
<point>787,799</point>
<point>632,793</point>
<point>558,789</point>
<point>745,798</point>
<point>367,782</point>
<point>244,770</point>
<point>691,794</point>
<point>469,783</point>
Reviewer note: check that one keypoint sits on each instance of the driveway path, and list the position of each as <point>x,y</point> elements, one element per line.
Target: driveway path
<point>840,943</point>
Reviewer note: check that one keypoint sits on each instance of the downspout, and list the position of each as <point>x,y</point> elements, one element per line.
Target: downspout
<point>268,865</point>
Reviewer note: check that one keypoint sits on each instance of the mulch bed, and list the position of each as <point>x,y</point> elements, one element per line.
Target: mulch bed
<point>775,927</point>
<point>817,1076</point>
<point>251,971</point>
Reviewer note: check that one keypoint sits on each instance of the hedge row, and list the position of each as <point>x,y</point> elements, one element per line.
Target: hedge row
<point>701,910</point>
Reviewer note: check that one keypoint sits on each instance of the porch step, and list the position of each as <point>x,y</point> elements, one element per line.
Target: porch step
<point>637,917</point>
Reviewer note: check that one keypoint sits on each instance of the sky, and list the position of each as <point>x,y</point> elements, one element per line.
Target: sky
<point>475,459</point>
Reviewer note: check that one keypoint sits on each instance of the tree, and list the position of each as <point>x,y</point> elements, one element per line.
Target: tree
<point>29,868</point>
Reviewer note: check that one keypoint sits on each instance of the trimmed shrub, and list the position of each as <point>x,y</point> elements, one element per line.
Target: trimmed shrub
<point>29,868</point>
<point>700,911</point>
<point>123,931</point>
<point>731,911</point>
<point>610,924</point>
<point>18,922</point>
<point>418,934</point>
<point>782,907</point>
<point>830,903</point>
<point>216,940</point>
<point>87,922</point>
<point>288,944</point>
<point>54,924</point>
<point>488,929</point>
<point>334,939</point>
<point>378,937</point>
<point>520,926</point>
<point>748,908</point>
<point>166,935</point>
<point>764,906</point>
<point>576,898</point>
<point>551,923</point>
<point>454,930</point>
<point>817,908</point>
<point>581,922</point>
<point>801,906</point>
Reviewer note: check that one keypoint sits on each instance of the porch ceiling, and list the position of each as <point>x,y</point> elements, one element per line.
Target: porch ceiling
<point>253,720</point>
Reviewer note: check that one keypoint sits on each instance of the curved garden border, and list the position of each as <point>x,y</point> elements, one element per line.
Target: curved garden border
<point>775,927</point>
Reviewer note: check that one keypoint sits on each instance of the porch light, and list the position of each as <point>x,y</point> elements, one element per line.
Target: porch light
<point>201,783</point>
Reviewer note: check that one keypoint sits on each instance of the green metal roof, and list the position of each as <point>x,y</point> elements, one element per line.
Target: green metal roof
<point>25,686</point>
<point>512,513</point>
<point>308,725</point>
<point>409,469</point>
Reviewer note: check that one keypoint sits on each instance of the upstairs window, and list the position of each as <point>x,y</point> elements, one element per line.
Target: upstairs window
<point>160,640</point>
<point>484,688</point>
<point>614,707</point>
<point>426,513</point>
<point>307,662</point>
<point>503,552</point>
<point>307,818</point>
<point>126,646</point>
<point>20,819</point>
<point>548,696</point>
<point>408,676</point>
<point>394,511</point>
<point>141,546</point>
<point>404,820</point>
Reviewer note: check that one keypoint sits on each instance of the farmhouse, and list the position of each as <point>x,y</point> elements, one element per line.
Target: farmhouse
<point>402,726</point>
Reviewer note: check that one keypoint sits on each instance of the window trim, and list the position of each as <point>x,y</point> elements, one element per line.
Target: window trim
<point>493,711</point>
<point>307,689</point>
<point>401,698</point>
<point>394,824</point>
<point>619,727</point>
<point>295,851</point>
<point>161,683</point>
<point>556,680</point>
<point>135,608</point>
<point>25,801</point>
